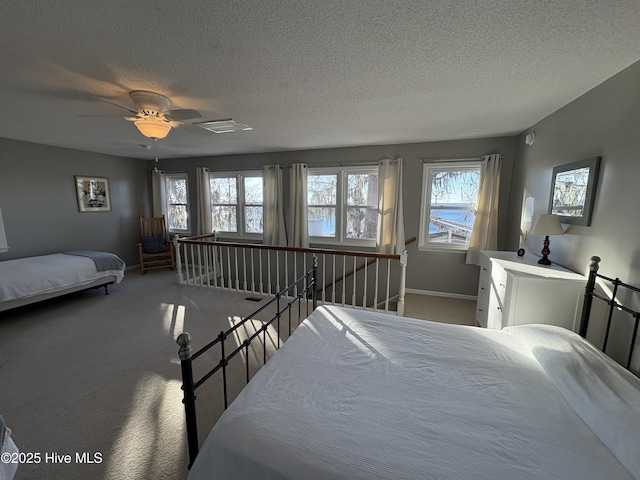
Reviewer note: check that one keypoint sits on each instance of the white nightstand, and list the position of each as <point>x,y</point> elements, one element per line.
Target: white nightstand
<point>516,290</point>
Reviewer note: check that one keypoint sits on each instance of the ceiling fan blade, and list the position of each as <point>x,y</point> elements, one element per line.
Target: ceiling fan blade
<point>182,114</point>
<point>135,112</point>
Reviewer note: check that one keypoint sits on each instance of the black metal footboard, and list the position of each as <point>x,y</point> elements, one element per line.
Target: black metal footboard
<point>590,294</point>
<point>302,288</point>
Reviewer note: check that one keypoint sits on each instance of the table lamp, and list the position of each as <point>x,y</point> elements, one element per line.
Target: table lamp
<point>547,224</point>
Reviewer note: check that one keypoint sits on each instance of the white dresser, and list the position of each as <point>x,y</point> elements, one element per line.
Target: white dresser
<point>517,290</point>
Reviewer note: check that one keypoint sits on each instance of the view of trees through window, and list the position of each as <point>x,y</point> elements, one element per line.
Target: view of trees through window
<point>451,204</point>
<point>253,204</point>
<point>362,205</point>
<point>352,193</point>
<point>177,212</point>
<point>224,204</point>
<point>321,199</point>
<point>236,196</point>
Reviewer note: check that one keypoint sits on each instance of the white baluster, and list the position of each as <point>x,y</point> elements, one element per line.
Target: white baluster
<point>353,294</point>
<point>375,292</point>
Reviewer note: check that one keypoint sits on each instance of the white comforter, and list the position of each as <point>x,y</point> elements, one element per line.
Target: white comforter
<point>27,277</point>
<point>355,395</point>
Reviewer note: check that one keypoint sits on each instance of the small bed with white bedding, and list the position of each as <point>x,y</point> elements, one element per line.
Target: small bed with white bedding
<point>363,395</point>
<point>31,279</point>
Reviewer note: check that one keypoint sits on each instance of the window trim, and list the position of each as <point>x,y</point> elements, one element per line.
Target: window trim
<point>240,204</point>
<point>185,176</point>
<point>341,205</point>
<point>425,204</point>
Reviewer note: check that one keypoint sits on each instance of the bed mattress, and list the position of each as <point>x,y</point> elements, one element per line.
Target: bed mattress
<point>360,395</point>
<point>32,276</point>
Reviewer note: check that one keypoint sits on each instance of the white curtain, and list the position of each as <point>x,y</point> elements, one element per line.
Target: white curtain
<point>391,220</point>
<point>4,246</point>
<point>273,232</point>
<point>297,233</point>
<point>484,235</point>
<point>159,192</point>
<point>205,227</point>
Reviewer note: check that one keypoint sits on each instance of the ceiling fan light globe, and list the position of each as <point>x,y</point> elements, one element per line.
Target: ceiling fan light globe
<point>152,128</point>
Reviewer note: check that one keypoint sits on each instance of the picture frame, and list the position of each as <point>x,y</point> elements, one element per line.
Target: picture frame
<point>92,194</point>
<point>573,187</point>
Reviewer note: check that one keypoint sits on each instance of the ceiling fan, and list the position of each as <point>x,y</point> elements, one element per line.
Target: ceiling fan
<point>152,115</point>
<point>154,119</point>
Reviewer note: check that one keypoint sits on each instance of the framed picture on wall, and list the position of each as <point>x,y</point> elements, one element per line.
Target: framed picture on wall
<point>93,194</point>
<point>573,190</point>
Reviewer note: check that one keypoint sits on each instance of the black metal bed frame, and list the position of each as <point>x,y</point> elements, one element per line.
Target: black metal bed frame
<point>590,294</point>
<point>187,357</point>
<point>306,281</point>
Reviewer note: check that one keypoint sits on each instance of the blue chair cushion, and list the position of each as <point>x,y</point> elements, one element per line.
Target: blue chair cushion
<point>154,244</point>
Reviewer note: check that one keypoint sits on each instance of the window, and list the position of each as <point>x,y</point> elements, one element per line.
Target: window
<point>449,195</point>
<point>236,203</point>
<point>177,202</point>
<point>343,204</point>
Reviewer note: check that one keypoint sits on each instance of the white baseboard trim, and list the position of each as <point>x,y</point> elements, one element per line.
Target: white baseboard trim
<point>441,294</point>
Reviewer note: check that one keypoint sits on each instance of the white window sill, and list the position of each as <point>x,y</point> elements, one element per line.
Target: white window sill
<point>320,242</point>
<point>422,248</point>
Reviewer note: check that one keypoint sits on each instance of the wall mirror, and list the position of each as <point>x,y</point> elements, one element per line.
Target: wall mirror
<point>572,191</point>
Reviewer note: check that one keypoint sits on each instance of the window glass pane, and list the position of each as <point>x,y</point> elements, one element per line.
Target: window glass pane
<point>224,219</point>
<point>362,189</point>
<point>177,190</point>
<point>253,189</point>
<point>455,187</point>
<point>362,223</point>
<point>177,217</point>
<point>223,190</point>
<point>253,219</point>
<point>322,222</point>
<point>450,225</point>
<point>321,189</point>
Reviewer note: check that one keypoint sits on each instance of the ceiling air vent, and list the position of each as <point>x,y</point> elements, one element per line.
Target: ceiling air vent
<point>223,126</point>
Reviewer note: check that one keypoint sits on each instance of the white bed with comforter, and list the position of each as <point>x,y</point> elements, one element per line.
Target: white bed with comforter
<point>360,395</point>
<point>31,279</point>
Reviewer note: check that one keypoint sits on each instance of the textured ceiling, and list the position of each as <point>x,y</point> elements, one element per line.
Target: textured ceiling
<point>303,74</point>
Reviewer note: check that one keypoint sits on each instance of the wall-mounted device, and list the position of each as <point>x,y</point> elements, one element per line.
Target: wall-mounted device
<point>530,138</point>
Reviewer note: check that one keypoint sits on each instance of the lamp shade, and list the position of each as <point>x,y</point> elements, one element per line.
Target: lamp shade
<point>152,128</point>
<point>547,224</point>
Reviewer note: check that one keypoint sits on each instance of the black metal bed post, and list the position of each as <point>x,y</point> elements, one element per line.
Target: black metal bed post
<point>314,293</point>
<point>588,296</point>
<point>189,400</point>
<point>612,305</point>
<point>633,339</point>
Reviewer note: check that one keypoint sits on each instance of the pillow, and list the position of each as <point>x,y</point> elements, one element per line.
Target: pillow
<point>604,394</point>
<point>154,244</point>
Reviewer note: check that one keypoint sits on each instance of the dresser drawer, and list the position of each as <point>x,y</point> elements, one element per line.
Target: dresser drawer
<point>482,312</point>
<point>499,281</point>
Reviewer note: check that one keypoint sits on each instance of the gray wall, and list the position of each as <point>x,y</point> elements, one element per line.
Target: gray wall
<point>428,271</point>
<point>604,122</point>
<point>39,206</point>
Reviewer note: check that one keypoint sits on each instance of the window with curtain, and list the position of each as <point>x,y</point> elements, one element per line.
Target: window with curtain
<point>177,198</point>
<point>448,207</point>
<point>237,203</point>
<point>343,205</point>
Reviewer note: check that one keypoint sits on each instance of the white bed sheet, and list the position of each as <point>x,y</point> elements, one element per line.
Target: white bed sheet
<point>31,276</point>
<point>356,395</point>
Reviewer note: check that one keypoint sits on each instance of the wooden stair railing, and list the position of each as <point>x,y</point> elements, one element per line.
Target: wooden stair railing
<point>204,261</point>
